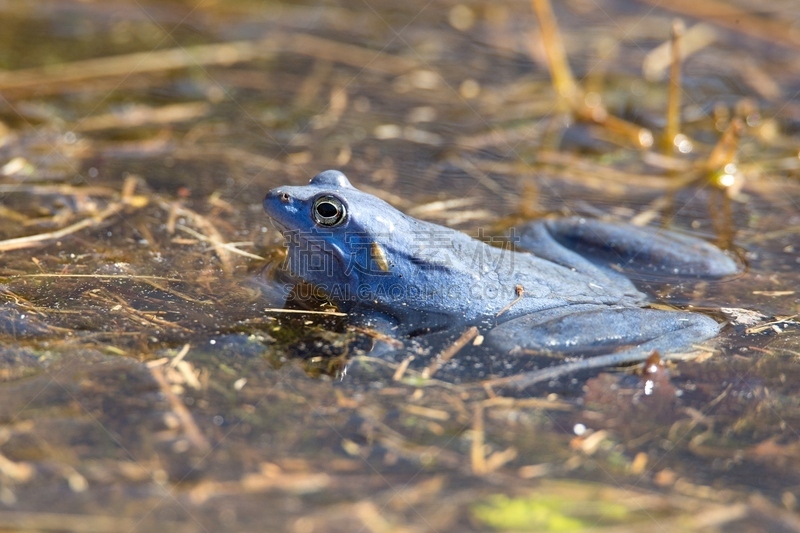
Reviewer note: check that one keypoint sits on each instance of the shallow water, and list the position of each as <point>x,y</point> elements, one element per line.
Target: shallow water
<point>145,384</point>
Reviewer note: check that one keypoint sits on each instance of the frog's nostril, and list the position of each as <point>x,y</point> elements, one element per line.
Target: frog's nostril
<point>284,196</point>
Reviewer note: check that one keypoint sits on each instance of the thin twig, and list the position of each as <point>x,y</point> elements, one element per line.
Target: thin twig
<point>659,59</point>
<point>212,234</point>
<point>55,78</point>
<point>303,312</point>
<point>519,290</point>
<point>32,241</point>
<point>401,369</point>
<point>142,115</point>
<point>127,200</point>
<point>375,334</point>
<point>727,148</point>
<point>449,352</point>
<point>180,355</point>
<point>477,454</point>
<point>182,296</point>
<point>118,302</point>
<point>567,89</point>
<point>67,190</point>
<point>131,64</point>
<point>74,521</point>
<point>768,325</point>
<point>190,428</point>
<point>227,245</point>
<point>98,276</point>
<point>673,126</point>
<point>735,18</point>
<point>349,54</point>
<point>563,80</point>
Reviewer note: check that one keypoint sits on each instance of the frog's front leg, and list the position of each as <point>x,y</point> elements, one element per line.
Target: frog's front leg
<point>608,336</point>
<point>576,241</point>
<point>388,332</point>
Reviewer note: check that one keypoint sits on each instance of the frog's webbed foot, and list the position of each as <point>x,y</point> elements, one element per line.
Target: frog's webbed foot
<point>616,336</point>
<point>574,240</point>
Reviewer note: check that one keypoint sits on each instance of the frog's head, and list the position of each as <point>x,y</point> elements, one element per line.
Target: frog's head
<point>334,233</point>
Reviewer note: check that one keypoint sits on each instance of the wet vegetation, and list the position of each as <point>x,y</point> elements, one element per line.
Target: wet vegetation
<point>150,377</point>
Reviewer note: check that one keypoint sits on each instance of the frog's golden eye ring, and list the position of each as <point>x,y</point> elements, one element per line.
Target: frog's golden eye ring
<point>328,211</point>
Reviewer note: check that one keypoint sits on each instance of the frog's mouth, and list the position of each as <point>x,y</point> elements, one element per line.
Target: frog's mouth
<point>276,224</point>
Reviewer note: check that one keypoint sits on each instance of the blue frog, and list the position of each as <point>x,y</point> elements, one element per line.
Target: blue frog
<point>549,289</point>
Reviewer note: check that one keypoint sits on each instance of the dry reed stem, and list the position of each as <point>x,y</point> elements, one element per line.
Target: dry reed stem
<point>527,403</point>
<point>32,241</point>
<point>401,369</point>
<point>477,455</point>
<point>673,126</point>
<point>121,305</point>
<point>190,428</point>
<point>211,233</point>
<point>727,147</point>
<point>127,199</point>
<point>567,89</point>
<point>142,115</point>
<point>135,63</point>
<point>519,290</point>
<point>734,18</point>
<point>227,245</point>
<point>56,78</point>
<point>15,216</point>
<point>302,311</point>
<point>86,523</point>
<point>449,352</point>
<point>563,80</point>
<point>151,280</point>
<point>66,190</point>
<point>659,59</point>
<point>99,276</point>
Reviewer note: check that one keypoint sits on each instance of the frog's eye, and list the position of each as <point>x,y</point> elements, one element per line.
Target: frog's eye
<point>329,211</point>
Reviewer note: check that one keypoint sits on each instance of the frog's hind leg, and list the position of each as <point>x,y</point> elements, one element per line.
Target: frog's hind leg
<point>641,249</point>
<point>616,336</point>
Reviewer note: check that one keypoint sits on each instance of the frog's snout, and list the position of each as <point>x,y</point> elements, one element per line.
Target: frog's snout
<point>283,196</point>
<point>274,198</point>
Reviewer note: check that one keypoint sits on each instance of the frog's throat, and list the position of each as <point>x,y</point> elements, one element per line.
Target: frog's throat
<point>329,265</point>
